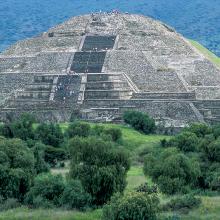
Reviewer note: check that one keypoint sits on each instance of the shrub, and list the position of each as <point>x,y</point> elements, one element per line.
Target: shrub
<point>200,129</point>
<point>49,134</point>
<point>54,155</point>
<point>172,171</point>
<point>23,127</point>
<point>6,131</point>
<point>132,206</point>
<point>184,203</point>
<point>212,177</point>
<point>39,155</point>
<point>145,188</point>
<point>47,189</point>
<point>75,197</point>
<point>212,151</point>
<point>185,141</point>
<point>164,142</point>
<point>115,133</point>
<point>216,131</point>
<point>16,168</point>
<point>9,203</point>
<point>80,129</point>
<point>140,121</point>
<point>99,166</point>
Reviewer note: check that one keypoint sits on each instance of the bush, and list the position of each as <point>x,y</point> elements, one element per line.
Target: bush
<point>212,151</point>
<point>47,189</point>
<point>80,129</point>
<point>216,131</point>
<point>140,121</point>
<point>54,155</point>
<point>200,129</point>
<point>132,206</point>
<point>172,171</point>
<point>115,133</point>
<point>145,188</point>
<point>39,155</point>
<point>49,134</point>
<point>75,197</point>
<point>23,128</point>
<point>9,203</point>
<point>16,168</point>
<point>183,203</point>
<point>99,166</point>
<point>6,131</point>
<point>185,141</point>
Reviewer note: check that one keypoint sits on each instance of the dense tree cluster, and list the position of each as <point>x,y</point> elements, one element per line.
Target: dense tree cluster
<point>28,149</point>
<point>191,159</point>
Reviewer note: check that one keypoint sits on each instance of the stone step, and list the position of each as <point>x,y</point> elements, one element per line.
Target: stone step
<point>164,95</point>
<point>38,87</point>
<point>107,94</point>
<point>103,77</point>
<point>107,85</point>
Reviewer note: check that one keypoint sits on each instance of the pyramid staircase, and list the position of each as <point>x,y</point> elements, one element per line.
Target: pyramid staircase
<point>210,109</point>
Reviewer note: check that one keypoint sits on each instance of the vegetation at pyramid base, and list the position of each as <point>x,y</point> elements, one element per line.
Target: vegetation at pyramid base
<point>100,157</point>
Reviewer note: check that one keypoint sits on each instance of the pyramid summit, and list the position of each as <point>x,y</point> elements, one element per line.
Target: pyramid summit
<point>99,65</point>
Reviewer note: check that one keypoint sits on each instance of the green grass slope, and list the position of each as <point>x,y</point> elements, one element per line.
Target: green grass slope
<point>207,53</point>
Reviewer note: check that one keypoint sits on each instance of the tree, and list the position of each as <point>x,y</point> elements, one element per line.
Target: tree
<point>49,134</point>
<point>140,121</point>
<point>200,129</point>
<point>39,155</point>
<point>114,133</point>
<point>74,196</point>
<point>185,141</point>
<point>172,171</point>
<point>78,128</point>
<point>23,127</point>
<point>16,168</point>
<point>132,206</point>
<point>46,188</point>
<point>100,167</point>
<point>212,151</point>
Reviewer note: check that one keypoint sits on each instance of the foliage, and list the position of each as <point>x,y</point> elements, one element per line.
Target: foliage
<point>49,134</point>
<point>101,167</point>
<point>212,151</point>
<point>140,121</point>
<point>16,168</point>
<point>47,189</point>
<point>23,127</point>
<point>132,206</point>
<point>185,141</point>
<point>53,155</point>
<point>77,128</point>
<point>114,133</point>
<point>39,155</point>
<point>9,203</point>
<point>172,171</point>
<point>107,133</point>
<point>74,196</point>
<point>6,131</point>
<point>200,129</point>
<point>185,203</point>
<point>145,188</point>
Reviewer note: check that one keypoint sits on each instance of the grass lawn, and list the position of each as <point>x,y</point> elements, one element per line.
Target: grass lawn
<point>207,53</point>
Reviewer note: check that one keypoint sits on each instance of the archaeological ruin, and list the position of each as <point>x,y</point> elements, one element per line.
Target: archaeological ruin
<point>97,66</point>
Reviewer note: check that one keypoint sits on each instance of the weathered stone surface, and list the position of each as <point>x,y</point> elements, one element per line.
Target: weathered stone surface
<point>150,68</point>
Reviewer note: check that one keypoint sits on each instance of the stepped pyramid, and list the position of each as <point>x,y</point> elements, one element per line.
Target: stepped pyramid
<point>99,65</point>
